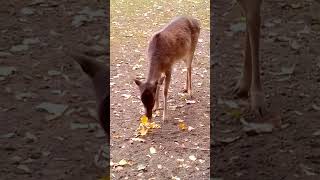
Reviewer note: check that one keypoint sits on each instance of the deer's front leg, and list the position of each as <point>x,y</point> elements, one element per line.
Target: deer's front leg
<point>252,10</point>
<point>243,86</point>
<point>156,104</point>
<point>165,93</point>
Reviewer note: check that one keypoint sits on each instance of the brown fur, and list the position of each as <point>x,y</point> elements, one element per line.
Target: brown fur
<point>250,83</point>
<point>177,41</point>
<point>99,76</point>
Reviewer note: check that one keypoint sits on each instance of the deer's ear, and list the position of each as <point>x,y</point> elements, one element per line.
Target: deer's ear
<point>138,82</point>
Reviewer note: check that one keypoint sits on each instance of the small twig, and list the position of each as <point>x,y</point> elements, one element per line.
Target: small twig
<point>201,149</point>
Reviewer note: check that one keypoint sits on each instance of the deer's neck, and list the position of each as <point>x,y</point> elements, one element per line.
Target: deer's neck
<point>154,72</point>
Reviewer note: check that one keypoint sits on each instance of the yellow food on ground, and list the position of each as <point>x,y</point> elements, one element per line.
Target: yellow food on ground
<point>144,119</point>
<point>182,125</point>
<point>145,126</point>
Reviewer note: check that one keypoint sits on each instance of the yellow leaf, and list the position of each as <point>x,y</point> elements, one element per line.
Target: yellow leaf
<point>182,125</point>
<point>153,125</point>
<point>104,178</point>
<point>144,119</point>
<point>123,162</point>
<point>143,131</point>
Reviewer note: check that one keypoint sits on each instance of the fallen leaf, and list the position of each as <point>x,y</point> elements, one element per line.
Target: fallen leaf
<point>16,159</point>
<point>54,73</point>
<point>143,131</point>
<point>18,48</point>
<point>182,126</point>
<point>190,101</point>
<point>29,41</point>
<point>30,137</point>
<point>228,139</point>
<point>153,150</point>
<point>307,170</point>
<point>122,162</point>
<point>104,178</point>
<point>52,108</point>
<point>192,158</point>
<point>317,133</point>
<point>190,128</point>
<point>126,96</point>
<point>27,11</point>
<point>145,126</point>
<point>25,168</point>
<point>238,27</point>
<point>138,139</point>
<point>316,107</point>
<point>9,135</point>
<point>141,167</point>
<point>286,70</point>
<point>74,126</point>
<point>7,70</point>
<point>235,113</point>
<point>175,178</point>
<point>153,125</point>
<point>294,45</point>
<point>231,104</point>
<point>22,96</point>
<point>256,128</point>
<point>144,120</point>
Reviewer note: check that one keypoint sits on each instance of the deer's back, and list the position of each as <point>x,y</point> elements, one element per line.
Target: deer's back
<point>174,41</point>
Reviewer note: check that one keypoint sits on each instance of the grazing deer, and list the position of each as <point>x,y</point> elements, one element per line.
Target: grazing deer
<point>99,76</point>
<point>174,42</point>
<point>249,83</point>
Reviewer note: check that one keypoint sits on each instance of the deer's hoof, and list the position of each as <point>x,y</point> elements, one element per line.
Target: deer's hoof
<point>258,104</point>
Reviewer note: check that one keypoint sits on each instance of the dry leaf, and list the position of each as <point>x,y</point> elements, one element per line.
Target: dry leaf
<point>175,178</point>
<point>153,125</point>
<point>122,162</point>
<point>143,131</point>
<point>182,125</point>
<point>138,139</point>
<point>190,101</point>
<point>105,178</point>
<point>153,150</point>
<point>144,120</point>
<point>192,158</point>
<point>145,126</point>
<point>190,128</point>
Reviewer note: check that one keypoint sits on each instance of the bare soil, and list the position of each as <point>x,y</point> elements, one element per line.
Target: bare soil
<point>33,34</point>
<point>132,24</point>
<point>290,74</point>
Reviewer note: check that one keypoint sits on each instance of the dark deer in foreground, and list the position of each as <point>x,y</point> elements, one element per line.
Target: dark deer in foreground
<point>99,76</point>
<point>177,41</point>
<point>249,83</point>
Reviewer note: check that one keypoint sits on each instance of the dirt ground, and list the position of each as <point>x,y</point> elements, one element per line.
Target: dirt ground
<point>291,75</point>
<point>34,70</point>
<point>179,154</point>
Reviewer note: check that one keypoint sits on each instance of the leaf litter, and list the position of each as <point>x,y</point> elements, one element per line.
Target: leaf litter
<point>145,126</point>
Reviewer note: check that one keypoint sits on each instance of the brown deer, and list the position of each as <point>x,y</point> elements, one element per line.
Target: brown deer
<point>174,42</point>
<point>98,74</point>
<point>249,83</point>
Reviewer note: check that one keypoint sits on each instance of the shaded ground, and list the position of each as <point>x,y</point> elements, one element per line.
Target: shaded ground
<point>291,74</point>
<point>33,34</point>
<point>132,24</point>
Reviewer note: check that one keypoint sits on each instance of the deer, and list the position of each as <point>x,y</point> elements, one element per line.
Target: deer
<point>176,41</point>
<point>249,84</point>
<point>98,74</point>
